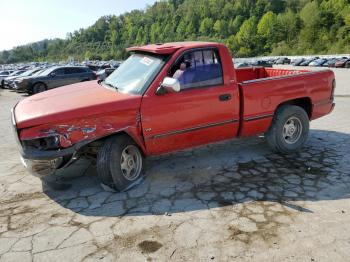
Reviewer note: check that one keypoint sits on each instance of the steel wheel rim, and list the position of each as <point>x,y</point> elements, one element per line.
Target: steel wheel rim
<point>131,162</point>
<point>292,130</point>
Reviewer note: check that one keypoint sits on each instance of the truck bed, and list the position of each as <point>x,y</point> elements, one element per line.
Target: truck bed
<point>262,90</point>
<point>254,73</point>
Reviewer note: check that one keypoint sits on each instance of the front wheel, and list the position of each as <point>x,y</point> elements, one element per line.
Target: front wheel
<point>38,88</point>
<point>289,129</point>
<point>119,163</point>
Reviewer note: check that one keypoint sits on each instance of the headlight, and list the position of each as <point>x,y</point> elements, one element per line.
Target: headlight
<point>19,81</point>
<point>22,80</point>
<point>44,143</point>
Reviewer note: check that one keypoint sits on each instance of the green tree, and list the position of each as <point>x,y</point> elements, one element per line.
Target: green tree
<point>267,30</point>
<point>220,28</point>
<point>310,16</point>
<point>288,27</point>
<point>206,26</point>
<point>235,24</point>
<point>181,30</point>
<point>246,38</point>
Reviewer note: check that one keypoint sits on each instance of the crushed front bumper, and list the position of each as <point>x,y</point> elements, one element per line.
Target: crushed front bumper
<point>39,162</point>
<point>42,168</point>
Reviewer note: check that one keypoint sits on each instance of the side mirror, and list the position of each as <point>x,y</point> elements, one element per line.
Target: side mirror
<point>169,85</point>
<point>52,74</point>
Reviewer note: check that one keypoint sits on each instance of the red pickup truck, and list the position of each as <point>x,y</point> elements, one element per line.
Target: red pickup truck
<point>163,98</point>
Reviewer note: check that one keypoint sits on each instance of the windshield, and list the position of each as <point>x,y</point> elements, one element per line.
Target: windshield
<point>38,73</point>
<point>136,73</point>
<point>16,73</point>
<point>29,72</point>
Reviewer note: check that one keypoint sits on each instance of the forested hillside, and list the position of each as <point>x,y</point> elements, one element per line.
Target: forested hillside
<point>248,27</point>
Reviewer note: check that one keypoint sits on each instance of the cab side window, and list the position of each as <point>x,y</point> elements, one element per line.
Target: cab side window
<point>69,71</point>
<point>200,68</point>
<point>77,70</point>
<point>59,72</point>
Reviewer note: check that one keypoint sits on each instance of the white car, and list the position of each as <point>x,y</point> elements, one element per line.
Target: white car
<point>14,73</point>
<point>3,75</point>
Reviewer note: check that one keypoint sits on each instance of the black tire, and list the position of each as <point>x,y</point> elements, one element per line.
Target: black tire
<point>38,88</point>
<point>109,163</point>
<point>280,136</point>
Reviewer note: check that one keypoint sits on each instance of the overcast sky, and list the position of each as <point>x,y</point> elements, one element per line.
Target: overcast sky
<point>26,21</point>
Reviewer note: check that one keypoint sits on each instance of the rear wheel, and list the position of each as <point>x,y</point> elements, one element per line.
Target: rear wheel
<point>38,88</point>
<point>119,163</point>
<point>289,129</point>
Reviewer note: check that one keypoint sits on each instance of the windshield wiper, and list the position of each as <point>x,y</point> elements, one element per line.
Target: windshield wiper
<point>109,84</point>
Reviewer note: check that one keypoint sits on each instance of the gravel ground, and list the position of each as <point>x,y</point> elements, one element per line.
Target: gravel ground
<point>230,201</point>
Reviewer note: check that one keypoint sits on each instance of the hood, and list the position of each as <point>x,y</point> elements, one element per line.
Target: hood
<point>11,77</point>
<point>72,102</point>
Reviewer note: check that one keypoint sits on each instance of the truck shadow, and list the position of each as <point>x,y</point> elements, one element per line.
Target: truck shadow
<point>220,177</point>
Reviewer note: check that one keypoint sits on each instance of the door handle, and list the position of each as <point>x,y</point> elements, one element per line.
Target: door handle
<point>224,97</point>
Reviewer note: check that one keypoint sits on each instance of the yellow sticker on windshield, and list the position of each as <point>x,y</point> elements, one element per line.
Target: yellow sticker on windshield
<point>146,61</point>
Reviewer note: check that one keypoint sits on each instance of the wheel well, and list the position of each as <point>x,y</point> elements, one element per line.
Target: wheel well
<point>304,102</point>
<point>121,133</point>
<point>95,145</point>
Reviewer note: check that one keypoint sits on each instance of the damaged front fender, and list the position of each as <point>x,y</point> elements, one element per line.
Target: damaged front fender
<point>73,135</point>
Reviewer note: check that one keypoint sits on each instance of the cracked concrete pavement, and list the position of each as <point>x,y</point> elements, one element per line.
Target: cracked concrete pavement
<point>229,201</point>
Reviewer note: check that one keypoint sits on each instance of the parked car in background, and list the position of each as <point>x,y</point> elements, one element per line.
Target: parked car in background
<point>13,74</point>
<point>261,63</point>
<point>343,63</point>
<point>5,72</point>
<point>3,75</point>
<point>308,61</point>
<point>282,61</point>
<point>273,61</point>
<point>297,61</point>
<point>102,74</point>
<point>240,65</point>
<point>347,64</point>
<point>9,81</point>
<point>54,77</point>
<point>337,59</point>
<point>94,68</point>
<point>330,62</point>
<point>318,62</point>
